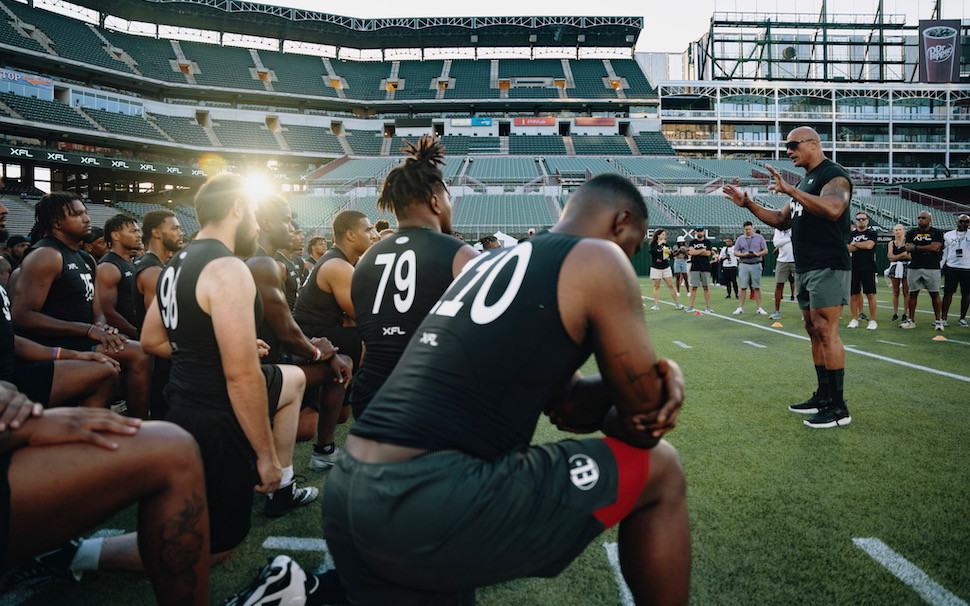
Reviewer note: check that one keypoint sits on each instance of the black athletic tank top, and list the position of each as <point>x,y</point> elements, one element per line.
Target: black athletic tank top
<point>6,338</point>
<point>197,378</point>
<point>149,259</point>
<point>291,286</point>
<point>485,361</point>
<point>314,307</point>
<point>125,305</point>
<point>263,331</point>
<point>71,296</point>
<point>395,284</point>
<point>819,243</point>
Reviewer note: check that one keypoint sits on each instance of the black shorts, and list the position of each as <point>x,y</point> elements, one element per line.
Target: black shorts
<point>862,282</point>
<point>431,529</point>
<point>34,379</point>
<point>345,338</point>
<point>228,460</point>
<point>4,503</point>
<point>956,277</point>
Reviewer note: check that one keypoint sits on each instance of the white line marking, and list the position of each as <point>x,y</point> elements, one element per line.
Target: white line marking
<point>753,344</point>
<point>295,544</point>
<point>960,342</point>
<point>684,345</point>
<point>613,556</point>
<point>934,371</point>
<point>891,343</point>
<point>908,573</point>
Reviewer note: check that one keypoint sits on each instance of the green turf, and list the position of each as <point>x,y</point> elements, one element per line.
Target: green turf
<point>774,505</point>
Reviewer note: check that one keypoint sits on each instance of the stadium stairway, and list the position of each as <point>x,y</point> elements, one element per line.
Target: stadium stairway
<point>568,142</point>
<point>633,145</point>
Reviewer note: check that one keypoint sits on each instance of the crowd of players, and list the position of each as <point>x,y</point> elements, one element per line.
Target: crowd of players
<point>236,347</point>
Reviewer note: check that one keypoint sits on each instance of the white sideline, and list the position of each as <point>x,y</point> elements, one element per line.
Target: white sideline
<point>753,344</point>
<point>908,573</point>
<point>684,345</point>
<point>613,556</point>
<point>934,371</point>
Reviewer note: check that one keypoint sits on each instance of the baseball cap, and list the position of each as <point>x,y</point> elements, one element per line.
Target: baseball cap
<point>700,227</point>
<point>15,240</point>
<point>680,238</point>
<point>96,232</point>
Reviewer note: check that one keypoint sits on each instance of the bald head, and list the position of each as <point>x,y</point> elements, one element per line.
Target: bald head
<point>804,147</point>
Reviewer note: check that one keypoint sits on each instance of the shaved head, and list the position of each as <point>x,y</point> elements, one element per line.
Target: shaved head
<point>804,132</point>
<point>607,192</point>
<point>804,147</point>
<point>609,207</point>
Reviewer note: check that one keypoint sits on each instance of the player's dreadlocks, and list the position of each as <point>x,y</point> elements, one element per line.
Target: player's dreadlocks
<point>52,207</point>
<point>416,179</point>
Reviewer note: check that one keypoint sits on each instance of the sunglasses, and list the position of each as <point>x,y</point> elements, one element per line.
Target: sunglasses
<point>964,221</point>
<point>862,218</point>
<point>793,145</point>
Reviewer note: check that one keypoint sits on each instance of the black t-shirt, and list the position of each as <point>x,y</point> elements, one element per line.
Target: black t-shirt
<point>197,379</point>
<point>659,255</point>
<point>71,295</point>
<point>291,285</point>
<point>316,309</point>
<point>7,348</point>
<point>125,303</point>
<point>446,393</point>
<point>700,262</point>
<point>864,260</point>
<point>923,259</point>
<point>395,284</point>
<point>819,243</point>
<point>149,259</point>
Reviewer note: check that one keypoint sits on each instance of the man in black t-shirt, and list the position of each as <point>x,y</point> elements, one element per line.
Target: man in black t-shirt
<point>925,246</point>
<point>699,251</point>
<point>862,247</point>
<point>115,283</point>
<point>818,215</point>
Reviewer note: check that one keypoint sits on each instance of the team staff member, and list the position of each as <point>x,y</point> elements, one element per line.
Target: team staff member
<point>818,215</point>
<point>115,280</point>
<point>784,267</point>
<point>925,246</point>
<point>699,251</point>
<point>862,247</point>
<point>398,279</point>
<point>956,268</point>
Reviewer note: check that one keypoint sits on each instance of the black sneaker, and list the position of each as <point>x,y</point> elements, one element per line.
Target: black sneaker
<point>288,498</point>
<point>831,416</point>
<point>905,318</point>
<point>280,581</point>
<point>863,317</point>
<point>894,318</point>
<point>43,569</point>
<point>812,405</point>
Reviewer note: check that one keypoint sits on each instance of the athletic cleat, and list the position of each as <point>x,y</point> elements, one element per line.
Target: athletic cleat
<point>281,582</point>
<point>43,569</point>
<point>812,405</point>
<point>872,325</point>
<point>323,462</point>
<point>775,316</point>
<point>831,416</point>
<point>737,312</point>
<point>963,322</point>
<point>761,312</point>
<point>944,323</point>
<point>895,318</point>
<point>853,323</point>
<point>907,324</point>
<point>289,498</point>
<point>655,308</point>
<point>709,310</point>
<point>938,325</point>
<point>689,310</point>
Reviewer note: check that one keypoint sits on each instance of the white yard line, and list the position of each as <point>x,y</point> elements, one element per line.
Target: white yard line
<point>295,544</point>
<point>753,344</point>
<point>908,573</point>
<point>891,343</point>
<point>684,345</point>
<point>613,556</point>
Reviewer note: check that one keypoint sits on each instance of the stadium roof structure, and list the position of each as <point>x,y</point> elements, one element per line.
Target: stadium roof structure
<point>256,19</point>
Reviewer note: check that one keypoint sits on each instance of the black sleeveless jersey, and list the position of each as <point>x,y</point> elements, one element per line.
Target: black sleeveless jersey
<point>395,284</point>
<point>486,360</point>
<point>316,309</point>
<point>125,305</point>
<point>301,270</point>
<point>291,286</point>
<point>71,296</point>
<point>819,243</point>
<point>263,331</point>
<point>7,347</point>
<point>149,259</point>
<point>197,378</point>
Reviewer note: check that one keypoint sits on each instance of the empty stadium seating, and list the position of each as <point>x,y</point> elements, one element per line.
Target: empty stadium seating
<point>224,66</point>
<point>244,135</point>
<point>578,167</point>
<point>503,170</point>
<point>183,130</point>
<point>472,80</point>
<point>363,78</point>
<point>365,143</point>
<point>637,84</point>
<point>123,124</point>
<point>357,168</point>
<point>471,145</point>
<point>601,145</point>
<point>530,68</point>
<point>41,110</point>
<point>663,170</point>
<point>153,58</point>
<point>539,145</point>
<point>588,76</point>
<point>505,212</point>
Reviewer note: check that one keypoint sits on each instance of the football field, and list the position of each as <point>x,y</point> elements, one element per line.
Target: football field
<point>877,512</point>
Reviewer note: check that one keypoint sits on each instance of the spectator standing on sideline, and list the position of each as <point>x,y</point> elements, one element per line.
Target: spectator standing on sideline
<point>862,247</point>
<point>699,250</point>
<point>784,266</point>
<point>660,268</point>
<point>925,246</point>
<point>729,267</point>
<point>956,268</point>
<point>750,249</point>
<point>898,270</point>
<point>679,254</point>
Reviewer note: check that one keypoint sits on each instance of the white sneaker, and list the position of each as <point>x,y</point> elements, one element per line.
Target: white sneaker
<point>852,324</point>
<point>689,310</point>
<point>872,325</point>
<point>761,312</point>
<point>323,462</point>
<point>279,582</point>
<point>655,307</point>
<point>737,312</point>
<point>944,323</point>
<point>938,325</point>
<point>679,306</point>
<point>963,322</point>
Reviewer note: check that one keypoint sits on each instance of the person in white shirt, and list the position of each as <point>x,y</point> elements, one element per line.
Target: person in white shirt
<point>729,267</point>
<point>784,266</point>
<point>956,267</point>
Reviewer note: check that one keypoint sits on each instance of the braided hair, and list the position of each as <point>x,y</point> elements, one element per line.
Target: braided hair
<point>415,180</point>
<point>52,207</point>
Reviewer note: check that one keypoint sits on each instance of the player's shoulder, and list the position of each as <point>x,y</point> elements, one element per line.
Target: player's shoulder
<point>595,255</point>
<point>41,258</point>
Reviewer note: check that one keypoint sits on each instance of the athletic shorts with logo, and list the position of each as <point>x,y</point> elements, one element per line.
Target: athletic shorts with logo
<point>228,460</point>
<point>818,288</point>
<point>429,530</point>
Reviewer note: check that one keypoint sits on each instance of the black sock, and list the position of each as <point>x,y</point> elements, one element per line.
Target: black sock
<point>325,449</point>
<point>324,588</point>
<point>823,382</point>
<point>836,385</point>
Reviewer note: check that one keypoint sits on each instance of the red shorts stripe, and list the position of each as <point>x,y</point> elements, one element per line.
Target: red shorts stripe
<point>633,465</point>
